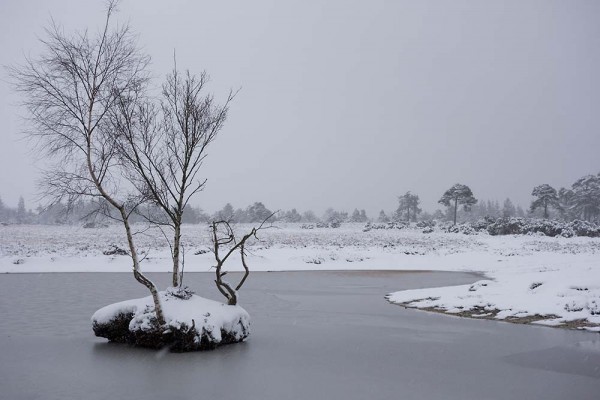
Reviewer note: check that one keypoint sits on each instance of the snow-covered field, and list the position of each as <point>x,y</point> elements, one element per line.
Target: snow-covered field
<point>526,276</point>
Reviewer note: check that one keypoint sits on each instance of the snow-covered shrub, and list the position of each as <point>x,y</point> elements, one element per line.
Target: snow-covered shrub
<point>400,224</point>
<point>94,225</point>
<point>389,225</point>
<point>567,233</point>
<point>506,226</point>
<point>584,228</point>
<point>546,227</point>
<point>426,224</point>
<point>482,224</point>
<point>460,228</point>
<point>115,251</point>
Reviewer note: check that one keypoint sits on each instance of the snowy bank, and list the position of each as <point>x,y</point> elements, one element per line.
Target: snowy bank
<point>554,296</point>
<point>191,324</point>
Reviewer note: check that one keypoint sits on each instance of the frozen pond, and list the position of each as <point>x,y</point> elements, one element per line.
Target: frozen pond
<point>315,335</point>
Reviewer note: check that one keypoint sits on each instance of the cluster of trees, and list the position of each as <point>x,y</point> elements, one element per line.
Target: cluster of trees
<point>581,201</point>
<point>408,206</point>
<point>256,212</point>
<point>108,138</point>
<point>19,215</point>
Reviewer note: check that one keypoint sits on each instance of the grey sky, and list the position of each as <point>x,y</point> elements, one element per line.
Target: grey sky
<point>351,103</point>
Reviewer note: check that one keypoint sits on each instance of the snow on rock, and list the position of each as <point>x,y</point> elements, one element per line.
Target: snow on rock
<point>195,323</point>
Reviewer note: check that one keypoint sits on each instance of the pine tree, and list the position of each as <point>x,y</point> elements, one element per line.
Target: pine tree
<point>566,200</point>
<point>363,216</point>
<point>2,211</point>
<point>21,212</point>
<point>458,194</point>
<point>408,207</point>
<point>292,216</point>
<point>546,198</point>
<point>309,216</point>
<point>508,209</point>
<point>586,197</point>
<point>257,212</point>
<point>225,214</point>
<point>383,217</point>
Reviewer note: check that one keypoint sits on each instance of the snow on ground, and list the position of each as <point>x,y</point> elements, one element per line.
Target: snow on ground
<point>525,275</point>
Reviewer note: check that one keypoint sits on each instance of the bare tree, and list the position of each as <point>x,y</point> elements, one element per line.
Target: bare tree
<point>165,145</point>
<point>223,236</point>
<point>70,91</point>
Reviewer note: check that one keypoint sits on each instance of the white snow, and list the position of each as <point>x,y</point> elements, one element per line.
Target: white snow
<point>525,275</point>
<point>206,315</point>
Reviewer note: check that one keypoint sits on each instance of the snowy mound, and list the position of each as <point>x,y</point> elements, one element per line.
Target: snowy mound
<point>191,324</point>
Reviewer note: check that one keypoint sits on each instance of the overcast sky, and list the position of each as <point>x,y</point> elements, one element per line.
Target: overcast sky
<point>350,103</point>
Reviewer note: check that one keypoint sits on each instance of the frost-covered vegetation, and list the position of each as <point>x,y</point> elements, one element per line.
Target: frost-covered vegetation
<point>30,241</point>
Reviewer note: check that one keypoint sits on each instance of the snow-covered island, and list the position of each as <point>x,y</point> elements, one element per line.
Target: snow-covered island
<point>191,322</point>
<point>527,278</point>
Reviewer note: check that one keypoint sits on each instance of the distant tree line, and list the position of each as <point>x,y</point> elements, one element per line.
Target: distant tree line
<point>581,201</point>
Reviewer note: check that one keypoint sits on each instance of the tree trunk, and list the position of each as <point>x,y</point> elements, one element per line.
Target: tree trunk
<point>455,209</point>
<point>176,247</point>
<point>546,210</point>
<point>125,218</point>
<point>138,274</point>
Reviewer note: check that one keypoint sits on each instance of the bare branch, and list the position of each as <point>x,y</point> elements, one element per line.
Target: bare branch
<point>224,235</point>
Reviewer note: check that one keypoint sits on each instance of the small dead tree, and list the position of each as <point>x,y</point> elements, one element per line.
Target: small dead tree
<point>69,92</point>
<point>165,145</point>
<point>223,235</point>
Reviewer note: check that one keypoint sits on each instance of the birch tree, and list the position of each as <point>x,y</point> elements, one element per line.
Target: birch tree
<point>163,145</point>
<point>69,91</point>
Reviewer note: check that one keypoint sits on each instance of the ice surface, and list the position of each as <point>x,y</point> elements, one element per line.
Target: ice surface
<point>315,335</point>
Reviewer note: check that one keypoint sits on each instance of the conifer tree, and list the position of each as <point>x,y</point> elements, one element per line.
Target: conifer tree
<point>458,194</point>
<point>546,198</point>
